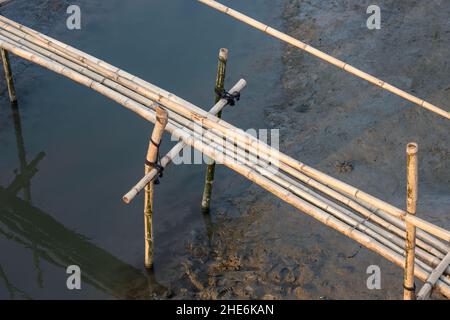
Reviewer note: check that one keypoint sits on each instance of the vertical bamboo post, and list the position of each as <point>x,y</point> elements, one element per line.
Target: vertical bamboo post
<point>8,76</point>
<point>411,204</point>
<point>152,156</point>
<point>219,87</point>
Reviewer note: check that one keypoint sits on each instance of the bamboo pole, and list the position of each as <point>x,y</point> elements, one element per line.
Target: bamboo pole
<point>248,172</point>
<point>325,57</point>
<point>210,170</point>
<point>425,291</point>
<point>152,157</point>
<point>411,204</point>
<point>168,158</point>
<point>8,76</point>
<point>192,112</point>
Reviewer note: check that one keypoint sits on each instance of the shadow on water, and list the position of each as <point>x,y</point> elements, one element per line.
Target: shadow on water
<point>51,241</point>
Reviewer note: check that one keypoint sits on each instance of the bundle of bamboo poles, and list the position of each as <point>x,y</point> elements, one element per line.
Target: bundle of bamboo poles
<point>372,222</point>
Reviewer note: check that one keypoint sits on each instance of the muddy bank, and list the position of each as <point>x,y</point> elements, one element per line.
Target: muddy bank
<point>349,129</point>
<point>258,247</point>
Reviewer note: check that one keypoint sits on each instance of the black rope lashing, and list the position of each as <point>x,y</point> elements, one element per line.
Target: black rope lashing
<point>410,289</point>
<point>230,97</point>
<point>157,164</point>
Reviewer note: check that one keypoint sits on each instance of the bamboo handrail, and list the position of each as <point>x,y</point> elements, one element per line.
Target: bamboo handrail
<point>180,105</point>
<point>325,57</point>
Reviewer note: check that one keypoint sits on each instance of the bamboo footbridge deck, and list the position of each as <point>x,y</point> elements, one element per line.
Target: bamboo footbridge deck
<point>418,246</point>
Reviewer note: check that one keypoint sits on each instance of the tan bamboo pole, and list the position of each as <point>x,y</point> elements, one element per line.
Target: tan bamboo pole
<point>411,204</point>
<point>325,57</point>
<point>8,76</point>
<point>211,168</point>
<point>283,194</point>
<point>163,95</point>
<point>425,291</point>
<point>151,160</point>
<point>168,158</point>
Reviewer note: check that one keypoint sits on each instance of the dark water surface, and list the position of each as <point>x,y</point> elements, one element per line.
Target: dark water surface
<point>94,149</point>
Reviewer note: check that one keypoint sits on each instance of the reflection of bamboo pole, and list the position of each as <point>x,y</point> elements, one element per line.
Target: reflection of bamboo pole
<point>8,76</point>
<point>152,158</point>
<point>27,225</point>
<point>321,55</point>
<point>425,292</point>
<point>411,204</point>
<point>210,170</point>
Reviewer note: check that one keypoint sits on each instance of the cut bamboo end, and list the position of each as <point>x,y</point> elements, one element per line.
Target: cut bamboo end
<point>223,54</point>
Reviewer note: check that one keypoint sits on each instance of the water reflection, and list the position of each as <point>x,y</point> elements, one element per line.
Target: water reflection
<point>27,225</point>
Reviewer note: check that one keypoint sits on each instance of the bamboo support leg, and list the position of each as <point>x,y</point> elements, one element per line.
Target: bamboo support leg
<point>411,204</point>
<point>8,76</point>
<point>210,171</point>
<point>152,155</point>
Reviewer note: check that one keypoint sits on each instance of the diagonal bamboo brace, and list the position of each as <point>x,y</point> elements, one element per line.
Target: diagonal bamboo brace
<point>168,158</point>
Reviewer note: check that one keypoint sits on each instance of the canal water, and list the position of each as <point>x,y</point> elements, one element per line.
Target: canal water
<point>89,151</point>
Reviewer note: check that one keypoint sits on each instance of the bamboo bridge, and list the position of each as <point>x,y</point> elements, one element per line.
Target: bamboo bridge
<point>416,245</point>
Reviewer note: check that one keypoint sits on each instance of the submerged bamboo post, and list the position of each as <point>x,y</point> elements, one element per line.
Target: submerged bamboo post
<point>411,204</point>
<point>8,76</point>
<point>152,156</point>
<point>219,87</point>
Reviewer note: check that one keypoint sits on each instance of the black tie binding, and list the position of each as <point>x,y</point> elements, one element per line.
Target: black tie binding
<point>230,97</point>
<point>156,165</point>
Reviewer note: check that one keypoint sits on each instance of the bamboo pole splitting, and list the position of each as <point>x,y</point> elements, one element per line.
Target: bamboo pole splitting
<point>325,57</point>
<point>8,76</point>
<point>425,291</point>
<point>411,204</point>
<point>152,157</point>
<point>211,168</point>
<point>174,152</point>
<point>253,176</point>
<point>179,105</point>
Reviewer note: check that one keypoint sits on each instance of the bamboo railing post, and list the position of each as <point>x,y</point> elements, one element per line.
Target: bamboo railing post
<point>152,157</point>
<point>219,87</point>
<point>411,204</point>
<point>8,76</point>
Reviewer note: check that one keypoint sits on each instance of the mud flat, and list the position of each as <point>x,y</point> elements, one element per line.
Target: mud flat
<point>262,248</point>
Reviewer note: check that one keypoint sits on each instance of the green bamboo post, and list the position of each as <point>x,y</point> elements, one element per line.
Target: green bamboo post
<point>411,204</point>
<point>152,154</point>
<point>8,76</point>
<point>210,171</point>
